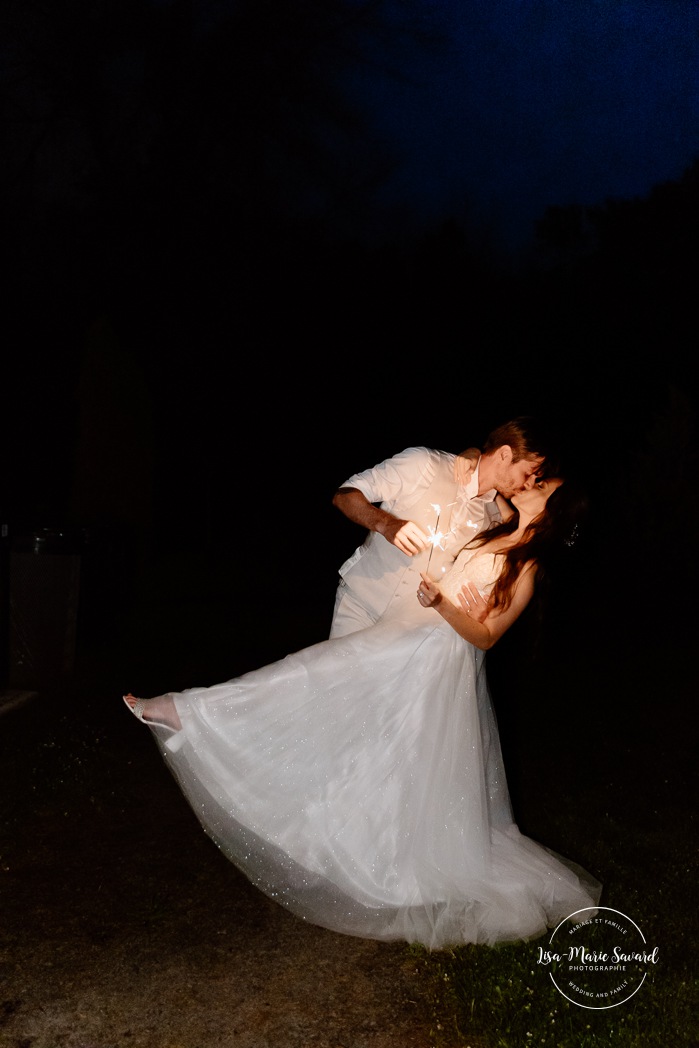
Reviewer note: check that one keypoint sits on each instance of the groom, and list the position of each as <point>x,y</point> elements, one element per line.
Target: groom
<point>419,515</point>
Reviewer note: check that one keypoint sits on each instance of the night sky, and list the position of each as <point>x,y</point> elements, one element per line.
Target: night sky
<point>524,106</point>
<point>250,250</point>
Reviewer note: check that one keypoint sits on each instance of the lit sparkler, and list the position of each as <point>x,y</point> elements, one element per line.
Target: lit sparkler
<point>436,537</point>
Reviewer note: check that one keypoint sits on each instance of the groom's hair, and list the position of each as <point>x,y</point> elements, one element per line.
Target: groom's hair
<point>529,438</point>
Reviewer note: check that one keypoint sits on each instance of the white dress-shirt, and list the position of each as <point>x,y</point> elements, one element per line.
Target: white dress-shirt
<point>418,484</point>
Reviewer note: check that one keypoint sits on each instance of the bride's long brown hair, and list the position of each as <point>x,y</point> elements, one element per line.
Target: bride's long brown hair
<point>542,540</point>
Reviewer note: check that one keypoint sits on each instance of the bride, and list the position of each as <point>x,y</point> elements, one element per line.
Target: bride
<point>360,782</point>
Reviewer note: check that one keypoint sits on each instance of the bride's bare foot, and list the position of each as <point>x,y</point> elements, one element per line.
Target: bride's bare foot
<point>160,710</point>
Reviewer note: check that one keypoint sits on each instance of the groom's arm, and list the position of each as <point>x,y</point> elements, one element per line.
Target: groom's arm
<point>404,534</point>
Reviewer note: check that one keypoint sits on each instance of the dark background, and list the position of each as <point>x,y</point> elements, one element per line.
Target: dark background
<point>208,326</point>
<point>225,288</point>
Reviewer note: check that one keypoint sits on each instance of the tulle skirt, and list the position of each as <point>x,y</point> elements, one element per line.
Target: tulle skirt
<point>360,783</point>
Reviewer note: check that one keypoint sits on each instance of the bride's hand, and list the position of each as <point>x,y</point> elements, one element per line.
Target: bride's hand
<point>428,592</point>
<point>472,602</point>
<point>464,465</point>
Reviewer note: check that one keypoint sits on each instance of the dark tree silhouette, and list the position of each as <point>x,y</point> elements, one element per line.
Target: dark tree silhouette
<point>155,134</point>
<point>175,168</point>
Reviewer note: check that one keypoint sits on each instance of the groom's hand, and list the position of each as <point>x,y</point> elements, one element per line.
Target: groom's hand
<point>405,535</point>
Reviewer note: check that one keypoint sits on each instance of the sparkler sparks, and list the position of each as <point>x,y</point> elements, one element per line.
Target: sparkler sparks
<point>436,537</point>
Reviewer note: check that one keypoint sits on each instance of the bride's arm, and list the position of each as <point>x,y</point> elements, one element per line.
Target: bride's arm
<point>464,465</point>
<point>483,634</point>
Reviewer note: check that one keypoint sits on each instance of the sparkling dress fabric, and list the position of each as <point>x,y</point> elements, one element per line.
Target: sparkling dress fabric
<point>360,783</point>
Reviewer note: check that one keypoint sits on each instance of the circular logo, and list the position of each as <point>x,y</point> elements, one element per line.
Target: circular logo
<point>598,957</point>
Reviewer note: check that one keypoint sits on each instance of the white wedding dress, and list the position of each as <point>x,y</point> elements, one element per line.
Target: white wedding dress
<point>360,783</point>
